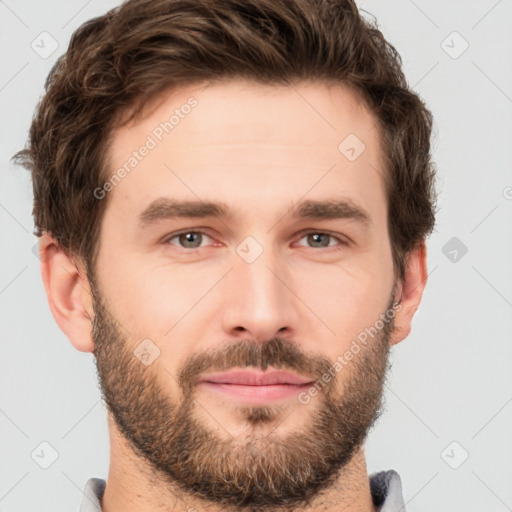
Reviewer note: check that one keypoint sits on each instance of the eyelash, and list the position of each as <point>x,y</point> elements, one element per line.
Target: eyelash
<point>303,234</point>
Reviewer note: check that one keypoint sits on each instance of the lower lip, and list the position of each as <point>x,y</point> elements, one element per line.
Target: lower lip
<point>258,394</point>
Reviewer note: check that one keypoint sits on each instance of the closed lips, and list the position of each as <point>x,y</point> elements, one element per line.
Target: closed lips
<point>247,378</point>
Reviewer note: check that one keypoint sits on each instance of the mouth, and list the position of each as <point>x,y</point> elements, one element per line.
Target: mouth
<point>256,386</point>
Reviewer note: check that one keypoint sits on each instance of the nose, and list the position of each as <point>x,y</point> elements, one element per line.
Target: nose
<point>260,302</point>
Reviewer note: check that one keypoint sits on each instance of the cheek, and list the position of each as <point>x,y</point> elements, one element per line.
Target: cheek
<point>163,302</point>
<point>152,309</point>
<point>135,298</point>
<point>345,298</point>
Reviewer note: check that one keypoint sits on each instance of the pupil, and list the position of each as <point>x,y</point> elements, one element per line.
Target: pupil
<point>188,237</point>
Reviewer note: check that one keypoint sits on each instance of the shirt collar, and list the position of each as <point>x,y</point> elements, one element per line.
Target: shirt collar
<point>385,486</point>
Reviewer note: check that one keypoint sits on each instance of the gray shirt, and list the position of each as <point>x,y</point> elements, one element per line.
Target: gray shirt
<point>385,486</point>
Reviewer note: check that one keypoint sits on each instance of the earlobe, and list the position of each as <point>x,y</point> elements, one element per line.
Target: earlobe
<point>68,292</point>
<point>410,293</point>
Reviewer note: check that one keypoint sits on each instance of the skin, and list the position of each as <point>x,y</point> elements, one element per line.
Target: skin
<point>260,150</point>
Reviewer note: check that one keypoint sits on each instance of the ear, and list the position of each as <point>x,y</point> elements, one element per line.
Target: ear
<point>412,287</point>
<point>68,292</point>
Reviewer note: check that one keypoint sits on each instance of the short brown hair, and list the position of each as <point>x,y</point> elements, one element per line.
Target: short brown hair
<point>118,62</point>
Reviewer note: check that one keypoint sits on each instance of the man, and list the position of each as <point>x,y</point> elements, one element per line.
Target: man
<point>232,200</point>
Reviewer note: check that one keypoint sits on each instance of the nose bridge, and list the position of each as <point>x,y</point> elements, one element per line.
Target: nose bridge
<point>259,301</point>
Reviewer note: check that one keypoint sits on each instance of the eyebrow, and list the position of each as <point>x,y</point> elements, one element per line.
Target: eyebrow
<point>166,208</point>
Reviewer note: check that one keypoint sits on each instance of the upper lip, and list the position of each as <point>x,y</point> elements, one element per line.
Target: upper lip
<point>256,378</point>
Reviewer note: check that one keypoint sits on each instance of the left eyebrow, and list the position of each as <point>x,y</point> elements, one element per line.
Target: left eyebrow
<point>331,209</point>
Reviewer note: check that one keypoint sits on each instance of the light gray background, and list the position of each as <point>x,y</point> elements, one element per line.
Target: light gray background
<point>451,379</point>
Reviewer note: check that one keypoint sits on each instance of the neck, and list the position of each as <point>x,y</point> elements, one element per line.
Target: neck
<point>132,486</point>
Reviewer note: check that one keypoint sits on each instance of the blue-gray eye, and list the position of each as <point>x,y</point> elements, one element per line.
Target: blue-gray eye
<point>189,239</point>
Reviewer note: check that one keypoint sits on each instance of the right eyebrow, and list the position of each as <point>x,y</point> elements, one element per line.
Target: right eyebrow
<point>165,208</point>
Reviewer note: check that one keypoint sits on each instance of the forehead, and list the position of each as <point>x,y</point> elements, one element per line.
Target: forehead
<point>207,142</point>
<point>324,112</point>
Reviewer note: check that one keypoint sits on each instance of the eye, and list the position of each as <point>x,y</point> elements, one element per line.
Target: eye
<point>192,239</point>
<point>320,239</point>
<point>189,239</point>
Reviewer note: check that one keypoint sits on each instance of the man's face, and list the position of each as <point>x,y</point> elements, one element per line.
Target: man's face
<point>263,289</point>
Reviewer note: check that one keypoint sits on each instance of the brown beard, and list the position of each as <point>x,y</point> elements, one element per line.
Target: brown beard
<point>263,471</point>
